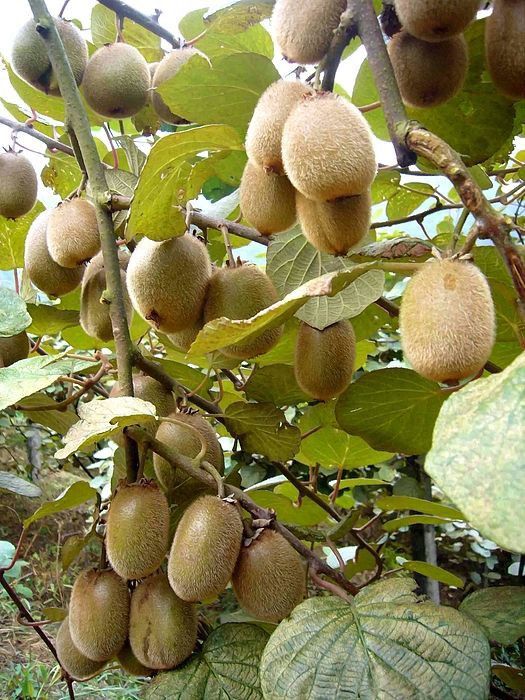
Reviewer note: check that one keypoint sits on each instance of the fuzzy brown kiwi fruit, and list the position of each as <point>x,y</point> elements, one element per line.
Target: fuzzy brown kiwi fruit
<point>239,293</point>
<point>345,165</point>
<point>72,233</point>
<point>504,38</point>
<point>447,320</point>
<point>31,61</point>
<point>324,360</point>
<point>130,663</point>
<point>436,20</point>
<point>13,349</point>
<point>304,32</point>
<point>99,614</point>
<point>18,185</point>
<point>444,71</point>
<point>76,664</point>
<point>162,627</point>
<point>167,281</point>
<point>149,389</point>
<point>182,340</point>
<point>116,81</point>
<point>137,529</point>
<point>205,549</point>
<point>265,131</point>
<point>267,200</point>
<point>269,579</point>
<point>335,227</point>
<point>167,68</point>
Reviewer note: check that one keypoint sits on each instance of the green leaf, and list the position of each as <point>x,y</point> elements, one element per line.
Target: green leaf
<point>73,547</point>
<point>142,39</point>
<point>420,504</point>
<point>331,447</point>
<point>499,610</point>
<point>75,495</point>
<point>54,614</point>
<point>404,201</point>
<point>407,520</point>
<point>15,484</point>
<point>284,500</point>
<point>61,173</point>
<point>49,320</point>
<point>276,384</point>
<point>513,677</point>
<point>238,15</point>
<point>359,481</point>
<point>435,572</point>
<point>14,317</point>
<point>190,377</point>
<point>477,454</point>
<point>386,643</point>
<point>103,26</point>
<point>392,409</point>
<point>263,429</point>
<point>59,421</point>
<point>13,234</point>
<point>227,668</point>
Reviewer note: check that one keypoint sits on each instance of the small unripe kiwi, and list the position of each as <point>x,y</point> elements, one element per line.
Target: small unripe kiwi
<point>167,281</point>
<point>13,349</point>
<point>269,579</point>
<point>324,360</point>
<point>447,320</point>
<point>130,663</point>
<point>183,340</point>
<point>205,549</point>
<point>335,227</point>
<point>162,627</point>
<point>240,293</point>
<point>167,68</point>
<point>31,61</point>
<point>504,37</point>
<point>428,74</point>
<point>436,20</point>
<point>116,81</point>
<point>76,664</point>
<point>265,131</point>
<point>99,614</point>
<point>304,32</point>
<point>137,529</point>
<point>72,233</point>
<point>18,185</point>
<point>267,200</point>
<point>328,150</point>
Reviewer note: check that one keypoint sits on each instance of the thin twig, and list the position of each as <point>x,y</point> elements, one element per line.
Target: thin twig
<point>152,25</point>
<point>28,129</point>
<point>306,492</point>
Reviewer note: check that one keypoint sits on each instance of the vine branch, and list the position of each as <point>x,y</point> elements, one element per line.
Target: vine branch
<point>121,9</point>
<point>28,129</point>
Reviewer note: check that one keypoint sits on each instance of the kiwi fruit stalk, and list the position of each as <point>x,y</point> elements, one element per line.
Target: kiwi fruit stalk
<point>71,659</point>
<point>166,69</point>
<point>72,233</point>
<point>447,320</point>
<point>504,37</point>
<point>18,185</point>
<point>436,20</point>
<point>267,200</point>
<point>130,663</point>
<point>162,627</point>
<point>14,348</point>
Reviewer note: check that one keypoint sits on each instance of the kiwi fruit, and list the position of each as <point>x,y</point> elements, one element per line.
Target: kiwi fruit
<point>130,663</point>
<point>324,360</point>
<point>445,68</point>
<point>265,131</point>
<point>72,233</point>
<point>31,61</point>
<point>183,340</point>
<point>71,659</point>
<point>149,389</point>
<point>335,227</point>
<point>240,293</point>
<point>18,185</point>
<point>99,614</point>
<point>14,348</point>
<point>304,33</point>
<point>447,320</point>
<point>116,81</point>
<point>436,20</point>
<point>504,37</point>
<point>269,579</point>
<point>267,200</point>
<point>328,149</point>
<point>167,68</point>
<point>162,627</point>
<point>167,281</point>
<point>137,529</point>
<point>205,549</point>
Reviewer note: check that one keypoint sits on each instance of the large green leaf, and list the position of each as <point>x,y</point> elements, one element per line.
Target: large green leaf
<point>13,234</point>
<point>61,173</point>
<point>420,505</point>
<point>499,610</point>
<point>48,319</point>
<point>14,317</point>
<point>274,383</point>
<point>263,429</point>
<point>384,644</point>
<point>59,421</point>
<point>432,571</point>
<point>330,447</point>
<point>75,495</point>
<point>236,16</point>
<point>477,454</point>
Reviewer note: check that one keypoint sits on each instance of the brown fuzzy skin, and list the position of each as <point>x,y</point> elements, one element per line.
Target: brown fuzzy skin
<point>265,131</point>
<point>335,227</point>
<point>130,663</point>
<point>447,320</point>
<point>328,150</point>
<point>76,664</point>
<point>436,20</point>
<point>324,360</point>
<point>99,614</point>
<point>162,627</point>
<point>31,62</point>
<point>137,530</point>
<point>269,579</point>
<point>504,37</point>
<point>167,282</point>
<point>267,200</point>
<point>167,68</point>
<point>13,349</point>
<point>305,31</point>
<point>72,233</point>
<point>116,81</point>
<point>428,74</point>
<point>240,293</point>
<point>18,185</point>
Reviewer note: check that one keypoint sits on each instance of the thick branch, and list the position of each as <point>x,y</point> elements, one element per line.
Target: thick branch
<point>122,10</point>
<point>27,129</point>
<point>345,32</point>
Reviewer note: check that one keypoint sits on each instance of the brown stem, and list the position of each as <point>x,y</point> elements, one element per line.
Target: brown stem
<point>28,129</point>
<point>306,492</point>
<point>345,32</point>
<point>152,25</point>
